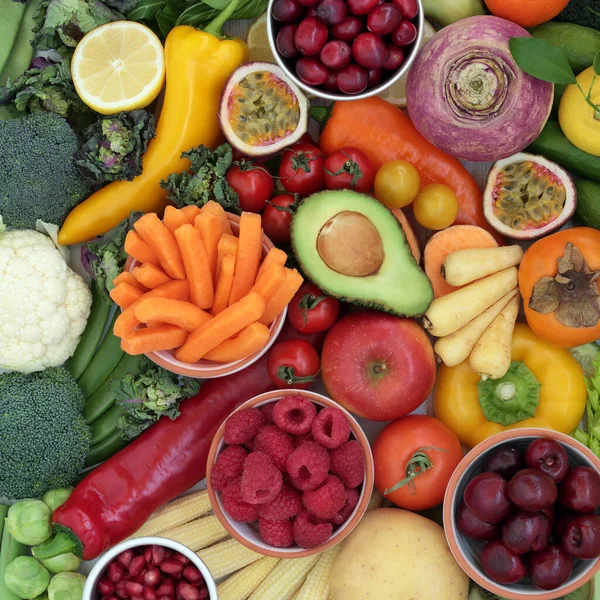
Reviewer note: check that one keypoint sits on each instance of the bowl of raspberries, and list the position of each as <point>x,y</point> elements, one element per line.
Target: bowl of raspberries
<point>290,473</point>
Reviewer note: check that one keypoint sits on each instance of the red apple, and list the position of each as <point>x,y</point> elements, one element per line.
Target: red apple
<point>378,366</point>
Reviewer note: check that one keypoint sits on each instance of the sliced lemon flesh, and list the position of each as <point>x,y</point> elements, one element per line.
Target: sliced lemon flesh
<point>258,41</point>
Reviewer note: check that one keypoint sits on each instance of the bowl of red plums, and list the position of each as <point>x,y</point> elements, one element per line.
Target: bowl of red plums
<point>521,514</point>
<point>345,49</point>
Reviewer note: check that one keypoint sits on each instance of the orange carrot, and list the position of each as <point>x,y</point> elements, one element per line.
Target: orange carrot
<point>223,287</point>
<point>125,294</point>
<point>210,228</point>
<point>154,339</point>
<point>216,209</point>
<point>247,256</point>
<point>150,276</point>
<point>275,255</point>
<point>174,218</point>
<point>270,281</point>
<point>175,312</point>
<point>135,246</point>
<point>291,284</point>
<point>411,238</point>
<point>162,241</point>
<point>227,245</point>
<point>196,264</point>
<point>221,327</point>
<point>128,277</point>
<point>250,340</point>
<point>191,211</point>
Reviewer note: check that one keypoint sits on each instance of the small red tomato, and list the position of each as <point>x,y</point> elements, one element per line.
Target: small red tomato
<point>302,169</point>
<point>349,169</point>
<point>253,184</point>
<point>277,217</point>
<point>312,311</point>
<point>293,364</point>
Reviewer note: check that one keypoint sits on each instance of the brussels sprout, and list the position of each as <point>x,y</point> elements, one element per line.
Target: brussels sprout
<point>66,586</point>
<point>43,596</point>
<point>26,577</point>
<point>54,498</point>
<point>28,521</point>
<point>62,563</point>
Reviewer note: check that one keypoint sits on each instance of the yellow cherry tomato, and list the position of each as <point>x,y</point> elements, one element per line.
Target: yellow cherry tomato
<point>436,206</point>
<point>397,184</point>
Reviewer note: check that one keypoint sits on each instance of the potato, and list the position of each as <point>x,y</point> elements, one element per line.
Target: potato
<point>395,554</point>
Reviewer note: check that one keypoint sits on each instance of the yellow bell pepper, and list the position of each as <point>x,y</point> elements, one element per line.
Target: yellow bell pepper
<point>555,401</point>
<point>198,64</point>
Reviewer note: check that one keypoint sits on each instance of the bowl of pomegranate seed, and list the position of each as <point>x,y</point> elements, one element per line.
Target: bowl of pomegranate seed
<point>150,567</point>
<point>345,49</point>
<point>290,473</point>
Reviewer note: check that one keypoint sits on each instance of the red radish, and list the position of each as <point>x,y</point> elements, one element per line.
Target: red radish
<point>395,58</point>
<point>335,54</point>
<point>311,71</point>
<point>383,19</point>
<point>332,12</point>
<point>285,41</point>
<point>361,7</point>
<point>405,34</point>
<point>311,36</point>
<point>348,29</point>
<point>148,554</point>
<point>287,11</point>
<point>369,51</point>
<point>352,79</point>
<point>408,8</point>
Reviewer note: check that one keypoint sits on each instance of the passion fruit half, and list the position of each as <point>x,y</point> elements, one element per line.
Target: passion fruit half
<point>528,196</point>
<point>262,111</point>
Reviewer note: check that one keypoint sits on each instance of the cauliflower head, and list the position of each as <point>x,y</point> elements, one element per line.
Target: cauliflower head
<point>44,305</point>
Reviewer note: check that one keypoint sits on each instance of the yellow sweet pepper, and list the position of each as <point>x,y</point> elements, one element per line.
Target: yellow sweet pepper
<point>544,387</point>
<point>198,64</point>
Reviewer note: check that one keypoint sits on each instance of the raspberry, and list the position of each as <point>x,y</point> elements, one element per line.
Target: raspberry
<point>261,479</point>
<point>352,497</point>
<point>310,532</point>
<point>308,466</point>
<point>294,414</point>
<point>242,426</point>
<point>229,465</point>
<point>348,463</point>
<point>237,509</point>
<point>330,427</point>
<point>267,411</point>
<point>327,500</point>
<point>276,533</point>
<point>276,443</point>
<point>301,439</point>
<point>287,505</point>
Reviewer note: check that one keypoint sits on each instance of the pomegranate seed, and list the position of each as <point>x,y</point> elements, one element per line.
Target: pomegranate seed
<point>105,587</point>
<point>203,594</point>
<point>136,566</point>
<point>171,566</point>
<point>157,554</point>
<point>133,588</point>
<point>110,598</point>
<point>137,598</point>
<point>166,598</point>
<point>187,591</point>
<point>192,574</point>
<point>125,558</point>
<point>115,573</point>
<point>152,577</point>
<point>166,588</point>
<point>120,590</point>
<point>141,577</point>
<point>148,554</point>
<point>149,594</point>
<point>184,560</point>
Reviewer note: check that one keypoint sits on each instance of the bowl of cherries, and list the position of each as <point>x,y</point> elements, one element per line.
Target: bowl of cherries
<point>521,514</point>
<point>345,49</point>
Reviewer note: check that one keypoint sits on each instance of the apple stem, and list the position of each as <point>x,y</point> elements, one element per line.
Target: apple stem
<point>417,465</point>
<point>379,367</point>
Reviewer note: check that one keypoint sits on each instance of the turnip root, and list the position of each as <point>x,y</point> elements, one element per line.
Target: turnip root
<point>449,313</point>
<point>456,347</point>
<point>492,353</point>
<point>464,266</point>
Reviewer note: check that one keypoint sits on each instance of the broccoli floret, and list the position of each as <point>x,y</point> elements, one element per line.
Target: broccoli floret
<point>43,437</point>
<point>38,179</point>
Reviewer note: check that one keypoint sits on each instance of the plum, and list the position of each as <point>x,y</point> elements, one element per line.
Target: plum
<point>580,491</point>
<point>501,564</point>
<point>486,497</point>
<point>505,461</point>
<point>525,532</point>
<point>581,538</point>
<point>532,490</point>
<point>473,527</point>
<point>548,456</point>
<point>550,568</point>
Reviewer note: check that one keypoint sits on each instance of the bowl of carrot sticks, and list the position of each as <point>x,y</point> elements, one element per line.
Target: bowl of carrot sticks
<point>206,292</point>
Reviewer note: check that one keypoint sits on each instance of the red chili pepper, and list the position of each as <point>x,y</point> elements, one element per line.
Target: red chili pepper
<point>118,497</point>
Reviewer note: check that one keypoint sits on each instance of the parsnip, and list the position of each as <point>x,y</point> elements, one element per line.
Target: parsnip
<point>449,313</point>
<point>456,347</point>
<point>464,266</point>
<point>492,353</point>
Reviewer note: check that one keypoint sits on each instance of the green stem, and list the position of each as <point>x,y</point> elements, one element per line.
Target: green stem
<point>321,114</point>
<point>589,101</point>
<point>216,25</point>
<point>63,542</point>
<point>417,465</point>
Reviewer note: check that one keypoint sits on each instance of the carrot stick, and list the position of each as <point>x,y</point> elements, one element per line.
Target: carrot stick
<point>135,246</point>
<point>250,340</point>
<point>210,228</point>
<point>224,283</point>
<point>191,211</point>
<point>174,218</point>
<point>227,245</point>
<point>150,276</point>
<point>291,284</point>
<point>162,241</point>
<point>175,312</point>
<point>216,209</point>
<point>196,264</point>
<point>275,255</point>
<point>127,277</point>
<point>154,339</point>
<point>269,282</point>
<point>125,294</point>
<point>247,257</point>
<point>221,327</point>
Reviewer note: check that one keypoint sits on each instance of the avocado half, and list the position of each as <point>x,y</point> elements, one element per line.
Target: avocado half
<point>354,249</point>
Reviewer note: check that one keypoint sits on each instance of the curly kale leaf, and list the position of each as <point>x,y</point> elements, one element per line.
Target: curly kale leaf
<point>204,180</point>
<point>115,146</point>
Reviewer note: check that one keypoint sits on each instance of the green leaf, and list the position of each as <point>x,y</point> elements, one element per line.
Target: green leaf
<point>597,63</point>
<point>146,10</point>
<point>541,59</point>
<point>199,13</point>
<point>217,4</point>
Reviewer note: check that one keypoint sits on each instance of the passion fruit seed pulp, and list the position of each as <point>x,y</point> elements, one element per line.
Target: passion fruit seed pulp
<point>263,109</point>
<point>527,196</point>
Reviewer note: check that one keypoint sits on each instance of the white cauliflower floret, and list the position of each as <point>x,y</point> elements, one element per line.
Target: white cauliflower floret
<point>44,305</point>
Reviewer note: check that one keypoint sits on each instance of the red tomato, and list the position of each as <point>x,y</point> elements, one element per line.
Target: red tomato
<point>349,169</point>
<point>302,169</point>
<point>312,311</point>
<point>417,455</point>
<point>293,364</point>
<point>277,217</point>
<point>254,185</point>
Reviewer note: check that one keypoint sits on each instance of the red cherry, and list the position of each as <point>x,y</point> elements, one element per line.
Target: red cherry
<point>311,71</point>
<point>332,12</point>
<point>285,41</point>
<point>375,77</point>
<point>311,36</point>
<point>361,7</point>
<point>369,51</point>
<point>352,79</point>
<point>383,19</point>
<point>405,34</point>
<point>287,11</point>
<point>335,54</point>
<point>408,8</point>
